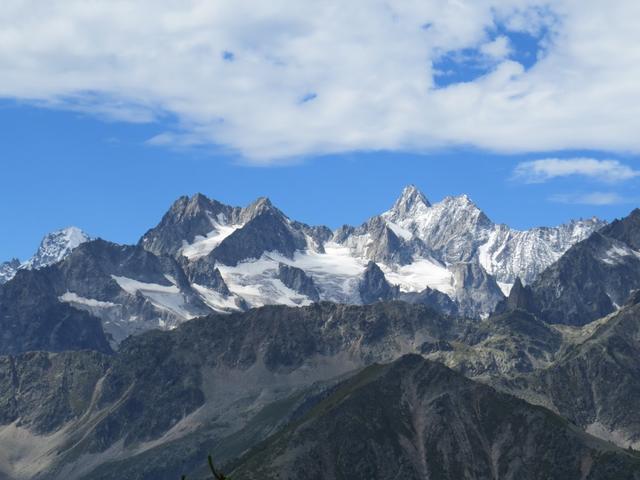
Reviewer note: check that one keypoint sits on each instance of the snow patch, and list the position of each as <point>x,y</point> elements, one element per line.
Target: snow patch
<point>505,287</point>
<point>420,274</point>
<point>216,300</point>
<point>165,297</point>
<point>255,281</point>
<point>202,246</point>
<point>618,254</point>
<point>335,273</point>
<point>400,232</point>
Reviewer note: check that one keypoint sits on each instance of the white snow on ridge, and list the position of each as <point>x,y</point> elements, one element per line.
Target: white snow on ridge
<point>216,300</point>
<point>336,273</point>
<point>166,297</point>
<point>618,254</point>
<point>399,231</point>
<point>505,287</point>
<point>132,286</point>
<point>202,246</point>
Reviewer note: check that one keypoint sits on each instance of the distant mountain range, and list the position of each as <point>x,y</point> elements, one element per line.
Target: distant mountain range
<point>206,257</point>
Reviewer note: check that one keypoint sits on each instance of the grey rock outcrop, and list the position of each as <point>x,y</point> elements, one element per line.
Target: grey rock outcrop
<point>126,287</point>
<point>297,280</point>
<point>519,298</point>
<point>440,302</point>
<point>373,286</point>
<point>474,289</point>
<point>594,379</point>
<point>32,318</point>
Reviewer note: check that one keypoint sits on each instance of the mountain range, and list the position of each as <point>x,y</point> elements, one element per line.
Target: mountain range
<point>206,257</point>
<point>295,351</point>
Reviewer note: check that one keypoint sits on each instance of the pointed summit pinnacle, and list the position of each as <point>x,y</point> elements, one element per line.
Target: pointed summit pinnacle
<point>410,200</point>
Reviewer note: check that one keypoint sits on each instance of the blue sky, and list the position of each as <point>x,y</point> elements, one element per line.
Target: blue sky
<point>102,176</point>
<point>108,115</point>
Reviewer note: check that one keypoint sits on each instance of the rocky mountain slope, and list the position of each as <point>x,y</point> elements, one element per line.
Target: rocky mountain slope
<point>223,383</point>
<point>414,419</point>
<point>125,288</point>
<point>167,397</point>
<point>595,377</point>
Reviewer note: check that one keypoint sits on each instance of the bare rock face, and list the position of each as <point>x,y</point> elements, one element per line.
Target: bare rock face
<point>125,288</point>
<point>374,287</point>
<point>475,290</point>
<point>187,219</point>
<point>206,274</point>
<point>267,231</point>
<point>297,280</point>
<point>38,321</point>
<point>440,302</point>
<point>519,299</point>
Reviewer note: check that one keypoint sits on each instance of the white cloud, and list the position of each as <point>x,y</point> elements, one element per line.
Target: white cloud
<point>369,63</point>
<point>539,171</point>
<point>498,49</point>
<point>593,198</point>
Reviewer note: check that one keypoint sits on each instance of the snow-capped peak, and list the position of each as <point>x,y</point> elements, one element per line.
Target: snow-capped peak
<point>8,270</point>
<point>55,246</point>
<point>410,203</point>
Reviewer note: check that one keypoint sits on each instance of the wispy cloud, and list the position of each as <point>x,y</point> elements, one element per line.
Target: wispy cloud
<point>540,171</point>
<point>593,198</point>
